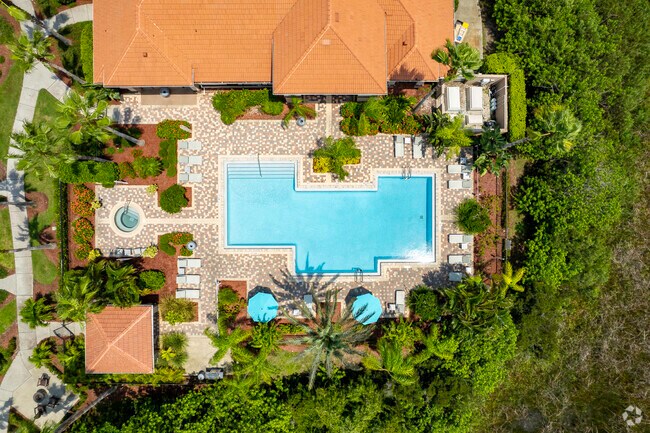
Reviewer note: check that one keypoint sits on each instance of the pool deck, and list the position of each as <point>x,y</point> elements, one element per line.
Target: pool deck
<point>248,140</point>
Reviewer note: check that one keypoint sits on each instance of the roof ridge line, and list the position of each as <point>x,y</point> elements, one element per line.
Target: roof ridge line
<point>128,328</point>
<point>113,344</point>
<point>126,50</point>
<point>357,58</point>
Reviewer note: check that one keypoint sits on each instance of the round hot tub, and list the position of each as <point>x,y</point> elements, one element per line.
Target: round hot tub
<point>127,219</point>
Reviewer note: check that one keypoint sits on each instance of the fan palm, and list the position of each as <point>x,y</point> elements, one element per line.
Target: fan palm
<point>88,112</point>
<point>26,52</point>
<point>462,59</point>
<point>447,135</point>
<point>36,313</point>
<point>224,341</point>
<point>392,360</point>
<point>77,296</point>
<point>43,150</point>
<point>328,341</point>
<point>73,351</point>
<point>23,15</point>
<point>297,109</point>
<point>556,124</point>
<point>42,354</point>
<point>121,285</point>
<point>492,153</point>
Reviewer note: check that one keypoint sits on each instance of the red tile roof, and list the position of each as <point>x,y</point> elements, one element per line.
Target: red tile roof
<point>303,46</point>
<point>120,340</point>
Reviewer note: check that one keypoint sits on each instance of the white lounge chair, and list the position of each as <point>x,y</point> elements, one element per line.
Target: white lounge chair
<point>195,160</point>
<point>400,301</point>
<point>474,98</point>
<point>183,159</point>
<point>195,177</point>
<point>453,99</point>
<point>418,148</point>
<point>398,142</point>
<point>454,169</point>
<point>181,263</point>
<point>459,184</point>
<point>455,277</point>
<point>182,144</point>
<point>474,120</point>
<point>194,145</point>
<point>460,239</point>
<point>459,259</point>
<point>188,293</point>
<point>193,263</point>
<point>192,279</point>
<point>183,177</point>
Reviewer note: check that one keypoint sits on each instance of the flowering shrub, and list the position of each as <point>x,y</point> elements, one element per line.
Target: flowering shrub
<point>185,252</point>
<point>94,254</point>
<point>83,251</point>
<point>169,240</point>
<point>150,252</point>
<point>126,170</point>
<point>83,193</point>
<point>82,231</point>
<point>82,208</point>
<point>172,129</point>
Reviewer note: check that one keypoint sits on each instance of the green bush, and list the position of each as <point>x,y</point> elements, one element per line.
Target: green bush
<point>87,52</point>
<point>3,272</point>
<point>82,231</point>
<point>234,103</point>
<point>175,311</point>
<point>336,153</point>
<point>390,115</point>
<point>147,166</point>
<point>6,31</point>
<point>505,63</point>
<point>173,199</point>
<point>323,164</point>
<point>82,251</point>
<point>168,240</point>
<point>424,303</point>
<point>126,170</point>
<point>471,217</point>
<point>174,350</point>
<point>151,280</point>
<point>105,173</point>
<point>130,130</point>
<point>185,252</point>
<point>168,154</point>
<point>171,129</point>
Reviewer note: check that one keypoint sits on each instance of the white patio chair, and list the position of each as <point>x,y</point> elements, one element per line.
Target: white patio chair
<point>192,279</point>
<point>188,293</point>
<point>195,177</point>
<point>459,259</point>
<point>183,177</point>
<point>182,144</point>
<point>182,263</point>
<point>398,142</point>
<point>400,301</point>
<point>453,99</point>
<point>418,148</point>
<point>193,263</point>
<point>194,145</point>
<point>181,279</point>
<point>459,184</point>
<point>183,159</point>
<point>460,239</point>
<point>195,160</point>
<point>454,169</point>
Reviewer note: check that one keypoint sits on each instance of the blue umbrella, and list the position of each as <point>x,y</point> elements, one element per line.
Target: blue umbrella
<point>262,307</point>
<point>366,309</point>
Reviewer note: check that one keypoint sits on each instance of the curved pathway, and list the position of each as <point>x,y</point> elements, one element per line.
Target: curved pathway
<point>22,284</point>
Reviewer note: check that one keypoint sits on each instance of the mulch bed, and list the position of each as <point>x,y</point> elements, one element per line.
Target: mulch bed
<point>4,51</point>
<point>488,247</point>
<point>242,320</point>
<point>167,264</point>
<point>255,113</point>
<point>73,261</point>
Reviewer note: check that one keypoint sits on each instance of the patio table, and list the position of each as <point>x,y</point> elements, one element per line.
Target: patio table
<point>40,396</point>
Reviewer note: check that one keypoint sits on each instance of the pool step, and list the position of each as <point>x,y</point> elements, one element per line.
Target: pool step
<point>253,170</point>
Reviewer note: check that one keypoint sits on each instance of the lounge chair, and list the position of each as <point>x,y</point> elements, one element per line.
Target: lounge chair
<point>474,120</point>
<point>182,144</point>
<point>398,141</point>
<point>418,148</point>
<point>181,263</point>
<point>181,279</point>
<point>192,279</point>
<point>183,177</point>
<point>192,263</point>
<point>400,301</point>
<point>474,98</point>
<point>195,160</point>
<point>188,293</point>
<point>459,259</point>
<point>460,239</point>
<point>453,99</point>
<point>455,277</point>
<point>195,177</point>
<point>183,159</point>
<point>454,169</point>
<point>194,145</point>
<point>459,184</point>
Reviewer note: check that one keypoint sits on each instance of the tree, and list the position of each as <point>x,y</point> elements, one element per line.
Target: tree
<point>492,152</point>
<point>43,150</point>
<point>328,341</point>
<point>471,217</point>
<point>121,283</point>
<point>462,60</point>
<point>42,354</point>
<point>26,52</point>
<point>36,313</point>
<point>338,152</point>
<point>88,113</point>
<point>174,349</point>
<point>23,15</point>
<point>78,296</point>
<point>225,340</point>
<point>297,109</point>
<point>446,135</point>
<point>510,279</point>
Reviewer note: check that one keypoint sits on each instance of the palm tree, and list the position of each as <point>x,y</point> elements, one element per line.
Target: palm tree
<point>36,313</point>
<point>446,135</point>
<point>26,52</point>
<point>23,15</point>
<point>73,351</point>
<point>556,124</point>
<point>392,360</point>
<point>121,284</point>
<point>78,296</point>
<point>492,153</point>
<point>224,341</point>
<point>42,353</point>
<point>326,340</point>
<point>297,109</point>
<point>88,112</point>
<point>510,279</point>
<point>462,59</point>
<point>43,150</point>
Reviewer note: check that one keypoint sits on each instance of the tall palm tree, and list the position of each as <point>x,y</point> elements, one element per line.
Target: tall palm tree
<point>42,354</point>
<point>88,112</point>
<point>36,313</point>
<point>554,123</point>
<point>492,153</point>
<point>462,59</point>
<point>78,296</point>
<point>121,284</point>
<point>510,279</point>
<point>297,109</point>
<point>446,135</point>
<point>23,15</point>
<point>26,52</point>
<point>224,341</point>
<point>392,360</point>
<point>326,340</point>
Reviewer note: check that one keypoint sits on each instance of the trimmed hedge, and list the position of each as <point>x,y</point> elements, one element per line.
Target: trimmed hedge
<point>151,280</point>
<point>175,311</point>
<point>173,199</point>
<point>171,129</point>
<point>505,63</point>
<point>234,103</point>
<point>87,52</point>
<point>105,173</point>
<point>323,164</point>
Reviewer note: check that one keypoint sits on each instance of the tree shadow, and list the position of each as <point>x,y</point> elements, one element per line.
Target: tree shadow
<point>291,288</point>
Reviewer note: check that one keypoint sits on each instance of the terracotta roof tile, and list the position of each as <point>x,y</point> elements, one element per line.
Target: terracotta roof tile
<point>120,340</point>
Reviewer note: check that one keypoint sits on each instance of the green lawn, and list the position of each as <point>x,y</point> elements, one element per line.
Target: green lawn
<point>45,272</point>
<point>7,316</point>
<point>6,240</point>
<point>9,95</point>
<point>46,107</point>
<point>49,187</point>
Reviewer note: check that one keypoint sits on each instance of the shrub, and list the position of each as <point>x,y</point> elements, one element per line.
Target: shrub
<point>172,129</point>
<point>168,240</point>
<point>173,199</point>
<point>350,109</point>
<point>168,154</point>
<point>390,114</point>
<point>234,103</point>
<point>471,217</point>
<point>6,31</point>
<point>105,173</point>
<point>152,189</point>
<point>126,170</point>
<point>87,52</point>
<point>147,166</point>
<point>82,208</point>
<point>150,252</point>
<point>323,164</point>
<point>185,252</point>
<point>174,350</point>
<point>83,251</point>
<point>175,311</point>
<point>338,152</point>
<point>83,193</point>
<point>151,280</point>
<point>273,108</point>
<point>3,272</point>
<point>505,63</point>
<point>424,302</point>
<point>83,231</point>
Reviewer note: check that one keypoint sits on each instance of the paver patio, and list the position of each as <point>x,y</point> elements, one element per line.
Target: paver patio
<point>250,139</point>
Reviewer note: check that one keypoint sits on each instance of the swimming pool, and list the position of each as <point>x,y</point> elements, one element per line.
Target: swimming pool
<point>331,231</point>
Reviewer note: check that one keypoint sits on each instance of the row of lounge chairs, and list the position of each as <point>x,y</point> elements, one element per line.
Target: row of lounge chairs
<point>183,277</point>
<point>187,162</point>
<point>399,142</point>
<point>465,170</point>
<point>190,145</point>
<point>126,252</point>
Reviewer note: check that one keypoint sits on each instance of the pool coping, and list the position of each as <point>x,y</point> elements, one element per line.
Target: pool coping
<point>383,265</point>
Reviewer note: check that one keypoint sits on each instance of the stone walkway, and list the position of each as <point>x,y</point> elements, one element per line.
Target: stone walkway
<point>265,139</point>
<point>21,370</point>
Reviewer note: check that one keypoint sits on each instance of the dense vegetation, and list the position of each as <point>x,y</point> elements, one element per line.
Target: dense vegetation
<point>234,103</point>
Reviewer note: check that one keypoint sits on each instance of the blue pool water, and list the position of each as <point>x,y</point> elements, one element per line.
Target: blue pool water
<point>332,231</point>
